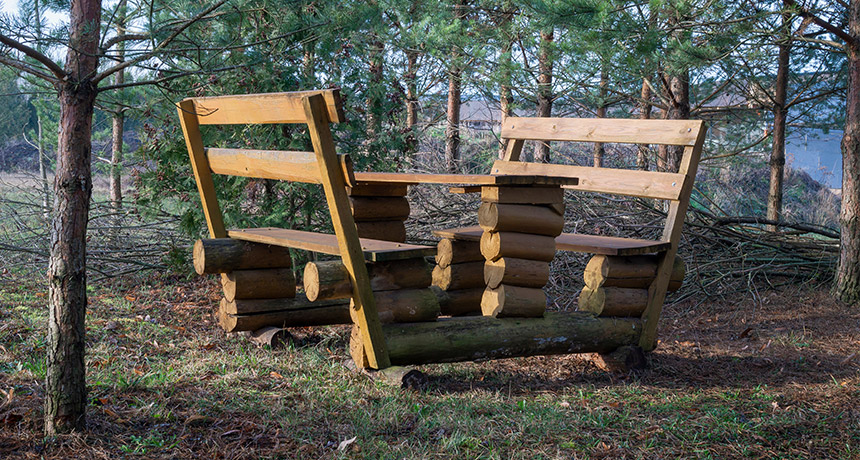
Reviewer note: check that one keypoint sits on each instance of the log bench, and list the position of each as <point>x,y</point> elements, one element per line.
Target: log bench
<point>627,277</point>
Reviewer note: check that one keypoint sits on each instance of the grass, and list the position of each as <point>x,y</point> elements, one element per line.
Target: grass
<point>164,382</point>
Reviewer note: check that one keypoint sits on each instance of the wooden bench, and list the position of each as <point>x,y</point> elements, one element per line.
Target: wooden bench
<point>673,187</point>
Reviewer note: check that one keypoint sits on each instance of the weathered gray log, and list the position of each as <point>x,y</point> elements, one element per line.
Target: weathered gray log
<point>481,338</point>
<point>330,280</point>
<point>222,255</point>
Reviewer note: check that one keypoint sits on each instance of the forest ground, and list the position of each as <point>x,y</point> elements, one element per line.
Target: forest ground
<point>775,377</point>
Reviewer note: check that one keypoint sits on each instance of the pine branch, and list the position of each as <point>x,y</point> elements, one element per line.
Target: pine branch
<point>160,46</point>
<point>24,67</point>
<point>121,38</point>
<point>841,33</point>
<point>55,69</point>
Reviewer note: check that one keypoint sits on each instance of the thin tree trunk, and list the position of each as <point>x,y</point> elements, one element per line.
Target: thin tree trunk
<point>678,96</point>
<point>374,91</point>
<point>599,150</point>
<point>43,169</point>
<point>65,382</point>
<point>544,108</point>
<point>118,121</point>
<point>452,130</point>
<point>411,78</point>
<point>643,151</point>
<point>780,114</point>
<point>506,98</point>
<point>847,286</point>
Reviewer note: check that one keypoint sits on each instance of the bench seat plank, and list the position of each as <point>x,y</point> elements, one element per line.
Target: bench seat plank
<point>575,242</point>
<point>374,250</point>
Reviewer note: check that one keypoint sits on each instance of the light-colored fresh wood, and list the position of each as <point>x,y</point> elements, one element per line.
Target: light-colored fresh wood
<point>269,336</point>
<point>516,272</point>
<point>404,306</point>
<point>481,338</point>
<point>671,233</point>
<point>222,255</point>
<point>613,301</point>
<point>202,174</point>
<point>465,189</point>
<point>475,179</point>
<point>646,184</point>
<point>517,245</point>
<point>374,250</point>
<point>330,280</point>
<point>533,219</point>
<point>384,230</point>
<point>263,108</point>
<point>513,301</point>
<point>575,242</point>
<point>459,302</point>
<point>347,237</point>
<point>273,164</point>
<point>450,251</point>
<point>513,150</point>
<point>626,131</point>
<point>266,283</point>
<point>459,276</point>
<point>379,208</point>
<point>376,189</point>
<point>522,195</point>
<point>630,272</point>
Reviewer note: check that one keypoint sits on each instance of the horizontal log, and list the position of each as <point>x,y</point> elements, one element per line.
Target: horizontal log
<point>459,276</point>
<point>377,190</point>
<point>315,314</point>
<point>495,245</point>
<point>386,230</point>
<point>613,301</point>
<point>267,283</point>
<point>222,255</point>
<point>379,208</point>
<point>330,280</point>
<point>534,219</point>
<point>450,251</point>
<point>459,302</point>
<point>404,306</point>
<point>522,195</point>
<point>254,306</point>
<point>481,338</point>
<point>513,301</point>
<point>630,272</point>
<point>516,272</point>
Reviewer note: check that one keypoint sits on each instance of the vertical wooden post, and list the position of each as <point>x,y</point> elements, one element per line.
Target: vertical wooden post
<point>200,166</point>
<point>347,235</point>
<point>671,233</point>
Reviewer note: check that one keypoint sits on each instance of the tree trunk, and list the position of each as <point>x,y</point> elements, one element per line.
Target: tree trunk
<point>43,169</point>
<point>678,97</point>
<point>847,287</point>
<point>411,102</point>
<point>599,150</point>
<point>643,152</point>
<point>65,383</point>
<point>118,118</point>
<point>780,113</point>
<point>452,130</point>
<point>544,108</point>
<point>506,96</point>
<point>374,91</point>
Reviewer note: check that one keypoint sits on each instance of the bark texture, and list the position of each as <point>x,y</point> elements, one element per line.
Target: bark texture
<point>780,114</point>
<point>65,382</point>
<point>544,108</point>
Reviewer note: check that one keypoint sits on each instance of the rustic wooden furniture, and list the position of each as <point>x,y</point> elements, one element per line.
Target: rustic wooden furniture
<point>673,187</point>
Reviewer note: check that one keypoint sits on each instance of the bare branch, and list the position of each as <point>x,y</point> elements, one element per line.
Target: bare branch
<point>842,34</point>
<point>160,46</point>
<point>158,81</point>
<point>24,67</point>
<point>44,60</point>
<point>121,38</point>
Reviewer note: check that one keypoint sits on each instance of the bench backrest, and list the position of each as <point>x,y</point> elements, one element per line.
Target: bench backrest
<point>675,187</point>
<point>316,109</point>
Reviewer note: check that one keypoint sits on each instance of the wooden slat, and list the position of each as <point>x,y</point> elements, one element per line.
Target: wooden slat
<point>665,132</point>
<point>575,242</point>
<point>374,250</point>
<point>262,108</point>
<point>364,311</point>
<point>272,164</point>
<point>201,168</point>
<point>646,184</point>
<point>473,179</point>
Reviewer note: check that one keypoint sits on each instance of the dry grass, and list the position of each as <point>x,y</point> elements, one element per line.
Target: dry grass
<point>776,378</point>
